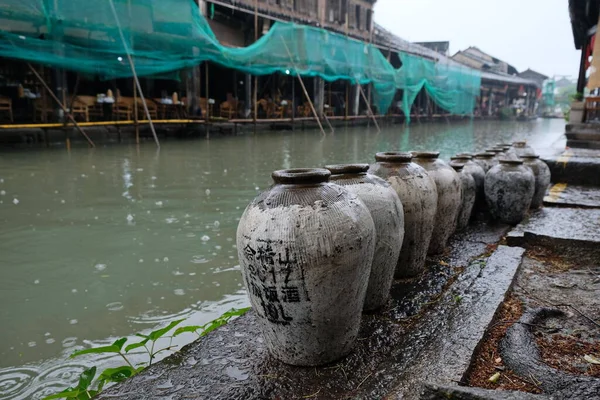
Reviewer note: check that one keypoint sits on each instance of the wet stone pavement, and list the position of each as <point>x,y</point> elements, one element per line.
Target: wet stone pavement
<point>428,332</point>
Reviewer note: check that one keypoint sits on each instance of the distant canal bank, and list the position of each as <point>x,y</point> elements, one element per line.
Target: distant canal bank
<point>109,242</point>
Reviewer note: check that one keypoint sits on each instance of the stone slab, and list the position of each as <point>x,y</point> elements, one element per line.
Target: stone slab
<point>435,392</point>
<point>559,226</point>
<point>583,128</point>
<point>429,330</point>
<point>565,195</point>
<point>576,166</point>
<point>583,143</point>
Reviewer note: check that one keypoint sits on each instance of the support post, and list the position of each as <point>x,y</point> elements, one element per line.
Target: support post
<point>61,105</point>
<point>347,102</point>
<point>137,82</point>
<point>581,78</point>
<point>135,115</point>
<point>368,105</point>
<point>312,107</point>
<point>208,105</point>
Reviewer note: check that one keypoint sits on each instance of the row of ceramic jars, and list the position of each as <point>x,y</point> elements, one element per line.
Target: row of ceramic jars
<point>317,249</point>
<point>514,180</point>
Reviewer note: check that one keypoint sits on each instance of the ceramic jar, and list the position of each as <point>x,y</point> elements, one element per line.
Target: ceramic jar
<point>449,191</point>
<point>388,215</point>
<point>541,172</point>
<point>473,168</point>
<point>485,160</point>
<point>468,195</point>
<point>509,189</point>
<point>418,194</point>
<point>521,148</point>
<point>305,247</point>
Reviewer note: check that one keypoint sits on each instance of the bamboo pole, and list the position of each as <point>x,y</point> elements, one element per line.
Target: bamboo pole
<point>60,104</point>
<point>368,105</point>
<point>137,81</point>
<point>312,107</point>
<point>255,91</point>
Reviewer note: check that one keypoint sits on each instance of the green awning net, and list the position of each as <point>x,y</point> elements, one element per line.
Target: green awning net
<point>169,35</point>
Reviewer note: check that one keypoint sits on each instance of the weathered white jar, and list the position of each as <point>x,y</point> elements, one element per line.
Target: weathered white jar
<point>418,194</point>
<point>509,188</point>
<point>305,247</point>
<point>542,175</point>
<point>473,168</point>
<point>388,215</point>
<point>485,160</point>
<point>449,201</point>
<point>468,195</point>
<point>521,148</point>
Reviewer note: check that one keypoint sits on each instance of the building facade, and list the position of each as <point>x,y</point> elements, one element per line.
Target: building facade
<point>350,17</point>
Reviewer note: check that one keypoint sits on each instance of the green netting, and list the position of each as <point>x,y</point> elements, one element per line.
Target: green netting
<point>168,35</point>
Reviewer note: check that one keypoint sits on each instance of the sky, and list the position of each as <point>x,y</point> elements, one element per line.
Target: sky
<point>532,34</point>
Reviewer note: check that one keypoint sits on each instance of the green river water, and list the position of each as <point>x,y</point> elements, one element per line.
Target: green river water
<point>103,243</point>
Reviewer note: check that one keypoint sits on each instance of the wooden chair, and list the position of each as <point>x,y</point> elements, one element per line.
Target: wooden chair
<point>94,110</point>
<point>42,108</point>
<point>152,109</point>
<point>274,111</point>
<point>79,108</point>
<point>124,108</point>
<point>228,109</point>
<point>6,106</point>
<point>592,106</point>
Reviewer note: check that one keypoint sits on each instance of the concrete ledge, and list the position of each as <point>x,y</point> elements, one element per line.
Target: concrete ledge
<point>562,227</point>
<point>430,330</point>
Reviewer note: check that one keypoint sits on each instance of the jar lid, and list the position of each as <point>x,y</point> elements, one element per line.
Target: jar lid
<point>520,143</point>
<point>510,161</point>
<point>301,176</point>
<point>426,154</point>
<point>394,157</point>
<point>485,155</point>
<point>461,157</point>
<point>348,168</point>
<point>465,155</point>
<point>530,156</point>
<point>503,145</point>
<point>495,151</point>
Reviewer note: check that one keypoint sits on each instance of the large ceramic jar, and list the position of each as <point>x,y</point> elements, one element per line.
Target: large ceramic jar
<point>419,198</point>
<point>469,193</point>
<point>541,172</point>
<point>473,168</point>
<point>387,213</point>
<point>509,188</point>
<point>485,160</point>
<point>449,201</point>
<point>305,247</point>
<point>521,148</point>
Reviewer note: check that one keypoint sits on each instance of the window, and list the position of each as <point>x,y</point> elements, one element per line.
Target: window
<point>369,19</point>
<point>357,16</point>
<point>344,12</point>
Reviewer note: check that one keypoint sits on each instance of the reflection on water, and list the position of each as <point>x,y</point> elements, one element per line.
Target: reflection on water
<point>104,243</point>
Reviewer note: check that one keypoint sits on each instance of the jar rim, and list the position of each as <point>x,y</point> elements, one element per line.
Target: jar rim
<point>394,157</point>
<point>485,155</point>
<point>426,154</point>
<point>338,169</point>
<point>531,156</point>
<point>301,176</point>
<point>461,157</point>
<point>457,166</point>
<point>511,162</point>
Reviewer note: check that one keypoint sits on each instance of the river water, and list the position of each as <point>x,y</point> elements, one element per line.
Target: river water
<point>104,243</point>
